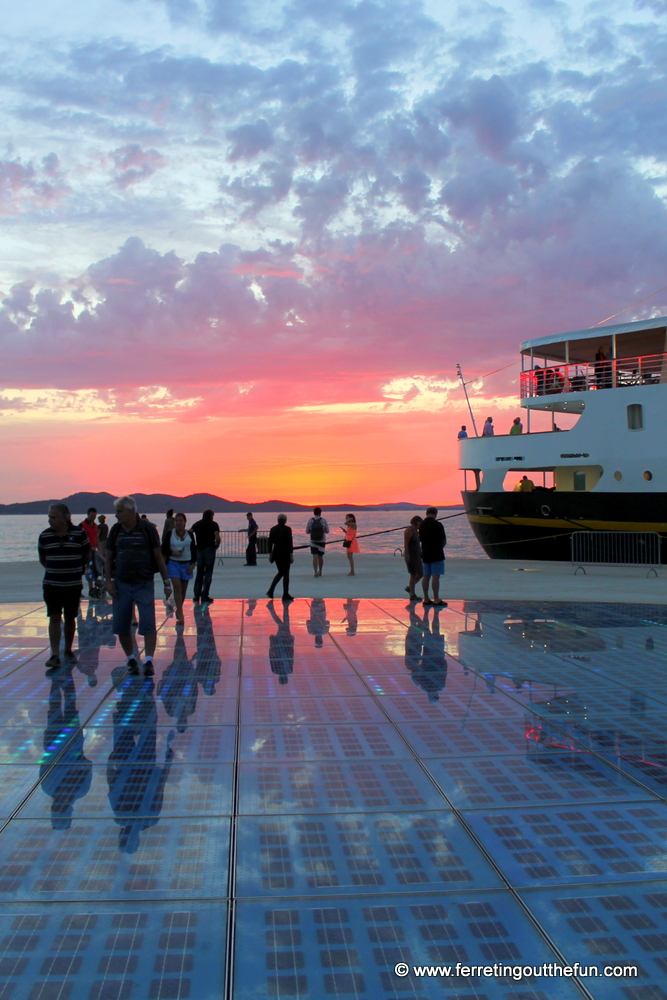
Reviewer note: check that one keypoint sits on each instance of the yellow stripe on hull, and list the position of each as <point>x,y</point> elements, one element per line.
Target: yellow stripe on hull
<point>570,525</point>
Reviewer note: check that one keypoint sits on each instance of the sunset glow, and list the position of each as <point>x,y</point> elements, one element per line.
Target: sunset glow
<point>245,246</point>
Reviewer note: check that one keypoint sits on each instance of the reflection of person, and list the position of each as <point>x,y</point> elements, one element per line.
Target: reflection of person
<point>63,552</point>
<point>252,604</point>
<point>317,528</point>
<point>317,624</point>
<point>94,632</point>
<point>207,671</point>
<point>350,544</point>
<point>178,686</point>
<point>351,609</point>
<point>281,646</point>
<point>133,557</point>
<point>251,550</point>
<point>281,548</point>
<point>136,792</point>
<point>207,537</point>
<point>425,654</point>
<point>72,778</point>
<point>412,553</point>
<point>180,554</point>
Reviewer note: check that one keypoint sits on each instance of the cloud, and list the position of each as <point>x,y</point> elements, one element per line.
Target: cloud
<point>133,164</point>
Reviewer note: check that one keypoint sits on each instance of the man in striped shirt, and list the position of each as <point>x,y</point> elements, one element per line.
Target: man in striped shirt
<point>64,551</point>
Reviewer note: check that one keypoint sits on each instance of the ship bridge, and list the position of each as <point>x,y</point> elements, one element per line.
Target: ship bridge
<point>558,370</point>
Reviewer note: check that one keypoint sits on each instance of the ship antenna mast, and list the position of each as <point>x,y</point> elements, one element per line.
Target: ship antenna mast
<point>465,389</point>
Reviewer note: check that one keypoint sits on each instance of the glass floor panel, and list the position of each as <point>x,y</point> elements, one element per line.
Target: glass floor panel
<point>302,799</point>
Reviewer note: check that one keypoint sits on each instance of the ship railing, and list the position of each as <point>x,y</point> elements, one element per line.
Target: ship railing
<point>615,548</point>
<point>594,375</point>
<point>234,543</point>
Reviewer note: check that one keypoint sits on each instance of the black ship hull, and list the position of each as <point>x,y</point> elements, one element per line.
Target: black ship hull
<point>539,524</point>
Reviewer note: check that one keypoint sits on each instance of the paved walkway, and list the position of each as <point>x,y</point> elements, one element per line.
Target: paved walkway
<point>385,576</point>
<point>303,799</point>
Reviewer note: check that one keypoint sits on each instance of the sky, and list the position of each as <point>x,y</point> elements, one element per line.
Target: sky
<point>245,245</point>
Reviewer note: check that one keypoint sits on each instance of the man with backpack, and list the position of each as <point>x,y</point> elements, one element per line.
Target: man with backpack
<point>132,558</point>
<point>317,528</point>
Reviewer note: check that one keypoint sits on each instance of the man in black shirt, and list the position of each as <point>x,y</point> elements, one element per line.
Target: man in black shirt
<point>433,540</point>
<point>251,551</point>
<point>64,552</point>
<point>207,540</point>
<point>281,548</point>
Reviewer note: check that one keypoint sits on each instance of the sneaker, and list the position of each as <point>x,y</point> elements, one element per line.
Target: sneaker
<point>149,669</point>
<point>207,600</point>
<point>53,661</point>
<point>196,600</point>
<point>287,597</point>
<point>69,656</point>
<point>133,665</point>
<point>269,595</point>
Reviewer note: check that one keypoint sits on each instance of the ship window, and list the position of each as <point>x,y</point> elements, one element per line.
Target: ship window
<point>618,476</point>
<point>580,480</point>
<point>635,417</point>
<point>648,476</point>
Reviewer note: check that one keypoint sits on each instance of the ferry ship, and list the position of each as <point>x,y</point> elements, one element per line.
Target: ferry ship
<point>606,473</point>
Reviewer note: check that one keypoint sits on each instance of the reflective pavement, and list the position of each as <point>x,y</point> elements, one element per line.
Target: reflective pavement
<point>306,795</point>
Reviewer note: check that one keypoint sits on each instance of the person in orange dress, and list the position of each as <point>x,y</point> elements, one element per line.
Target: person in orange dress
<point>350,543</point>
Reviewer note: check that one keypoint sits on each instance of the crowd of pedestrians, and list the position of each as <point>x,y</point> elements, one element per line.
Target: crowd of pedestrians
<point>122,561</point>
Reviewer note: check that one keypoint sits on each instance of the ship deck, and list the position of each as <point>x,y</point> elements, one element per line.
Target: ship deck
<point>299,801</point>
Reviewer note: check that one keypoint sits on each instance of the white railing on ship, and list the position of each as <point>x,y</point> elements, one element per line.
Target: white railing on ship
<point>585,376</point>
<point>616,548</point>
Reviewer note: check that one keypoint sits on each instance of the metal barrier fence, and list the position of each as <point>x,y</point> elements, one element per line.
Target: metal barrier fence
<point>616,548</point>
<point>234,543</point>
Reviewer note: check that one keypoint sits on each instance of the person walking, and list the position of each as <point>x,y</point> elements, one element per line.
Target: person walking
<point>317,528</point>
<point>488,430</point>
<point>102,534</point>
<point>90,527</point>
<point>207,538</point>
<point>433,540</point>
<point>63,551</point>
<point>281,549</point>
<point>251,551</point>
<point>517,426</point>
<point>180,554</point>
<point>413,555</point>
<point>350,543</point>
<point>132,558</point>
<point>169,523</point>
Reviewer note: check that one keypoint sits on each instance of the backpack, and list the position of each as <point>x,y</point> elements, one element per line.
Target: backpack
<point>113,534</point>
<point>317,530</point>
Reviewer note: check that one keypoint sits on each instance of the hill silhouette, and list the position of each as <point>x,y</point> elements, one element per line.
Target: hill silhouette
<point>79,503</point>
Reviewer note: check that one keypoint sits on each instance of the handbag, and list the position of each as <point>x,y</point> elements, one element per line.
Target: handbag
<point>346,543</point>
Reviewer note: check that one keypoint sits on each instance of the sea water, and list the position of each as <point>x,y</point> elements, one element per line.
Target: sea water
<point>19,532</point>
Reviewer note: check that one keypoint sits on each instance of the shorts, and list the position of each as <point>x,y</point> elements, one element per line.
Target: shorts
<point>141,594</point>
<point>178,570</point>
<point>434,568</point>
<point>314,551</point>
<point>415,566</point>
<point>62,601</point>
